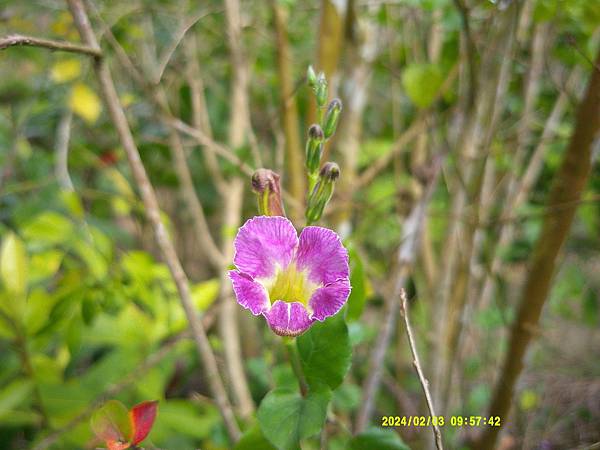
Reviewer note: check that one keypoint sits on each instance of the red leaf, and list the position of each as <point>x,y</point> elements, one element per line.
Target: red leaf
<point>142,418</point>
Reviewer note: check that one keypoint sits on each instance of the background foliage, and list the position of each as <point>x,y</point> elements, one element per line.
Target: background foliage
<point>89,312</point>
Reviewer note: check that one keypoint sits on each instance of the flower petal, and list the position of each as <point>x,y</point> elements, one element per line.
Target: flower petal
<point>322,254</point>
<point>263,243</point>
<point>288,319</point>
<point>249,293</point>
<point>329,299</point>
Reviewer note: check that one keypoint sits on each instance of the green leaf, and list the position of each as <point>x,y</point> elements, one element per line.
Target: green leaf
<point>347,397</point>
<point>111,422</point>
<point>379,439</point>
<point>37,310</point>
<point>50,228</point>
<point>253,439</point>
<point>205,293</point>
<point>358,295</point>
<point>285,417</point>
<point>45,264</point>
<point>422,83</point>
<point>183,418</point>
<point>13,395</point>
<point>325,352</point>
<point>13,264</point>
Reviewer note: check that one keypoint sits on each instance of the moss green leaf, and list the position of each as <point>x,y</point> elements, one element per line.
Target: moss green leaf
<point>325,352</point>
<point>285,417</point>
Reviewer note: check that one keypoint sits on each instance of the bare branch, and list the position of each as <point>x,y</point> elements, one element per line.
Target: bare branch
<point>166,57</point>
<point>152,210</point>
<point>417,364</point>
<point>568,186</point>
<point>15,40</point>
<point>63,134</point>
<point>411,235</point>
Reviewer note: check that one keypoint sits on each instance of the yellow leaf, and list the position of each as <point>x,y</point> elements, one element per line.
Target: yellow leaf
<point>13,264</point>
<point>85,103</point>
<point>529,400</point>
<point>205,293</point>
<point>63,24</point>
<point>65,70</point>
<point>127,99</point>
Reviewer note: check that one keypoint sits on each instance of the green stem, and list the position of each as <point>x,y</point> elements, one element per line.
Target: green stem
<point>320,115</point>
<point>21,344</point>
<point>292,351</point>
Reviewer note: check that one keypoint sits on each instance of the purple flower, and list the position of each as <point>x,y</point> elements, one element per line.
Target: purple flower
<point>291,281</point>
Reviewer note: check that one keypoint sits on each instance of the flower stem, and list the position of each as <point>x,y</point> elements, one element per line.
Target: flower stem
<point>292,351</point>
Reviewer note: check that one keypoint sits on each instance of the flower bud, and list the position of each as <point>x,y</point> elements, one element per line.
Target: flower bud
<point>314,148</point>
<point>265,184</point>
<point>321,90</point>
<point>332,117</point>
<point>311,77</point>
<point>322,192</point>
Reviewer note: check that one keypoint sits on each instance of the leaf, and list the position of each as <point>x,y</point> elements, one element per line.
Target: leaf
<point>85,103</point>
<point>285,417</point>
<point>422,83</point>
<point>376,438</point>
<point>111,423</point>
<point>49,228</point>
<point>180,417</point>
<point>358,295</point>
<point>44,264</point>
<point>65,70</point>
<point>205,293</point>
<point>253,439</point>
<point>325,352</point>
<point>142,418</point>
<point>13,264</point>
<point>528,400</point>
<point>14,395</point>
<point>347,397</point>
<point>37,310</point>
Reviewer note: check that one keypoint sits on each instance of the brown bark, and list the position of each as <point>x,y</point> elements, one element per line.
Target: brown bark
<point>294,161</point>
<point>239,119</point>
<point>566,191</point>
<point>329,47</point>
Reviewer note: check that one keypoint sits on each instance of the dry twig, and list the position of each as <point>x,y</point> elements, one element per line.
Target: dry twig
<point>152,210</point>
<point>417,365</point>
<point>18,40</point>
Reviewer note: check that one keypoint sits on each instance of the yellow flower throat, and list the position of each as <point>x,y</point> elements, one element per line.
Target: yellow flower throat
<point>291,285</point>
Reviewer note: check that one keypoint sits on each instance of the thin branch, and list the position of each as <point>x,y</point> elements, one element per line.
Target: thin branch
<point>411,235</point>
<point>400,145</point>
<point>471,51</point>
<point>63,134</point>
<point>152,210</point>
<point>397,148</point>
<point>568,185</point>
<point>200,116</point>
<point>166,57</point>
<point>417,364</point>
<point>228,325</point>
<point>14,40</point>
<point>204,140</point>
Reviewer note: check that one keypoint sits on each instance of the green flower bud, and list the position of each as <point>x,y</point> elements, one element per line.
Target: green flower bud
<point>321,90</point>
<point>332,117</point>
<point>265,184</point>
<point>314,148</point>
<point>322,192</point>
<point>311,77</point>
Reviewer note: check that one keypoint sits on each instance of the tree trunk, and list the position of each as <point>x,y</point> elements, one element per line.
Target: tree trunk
<point>566,192</point>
